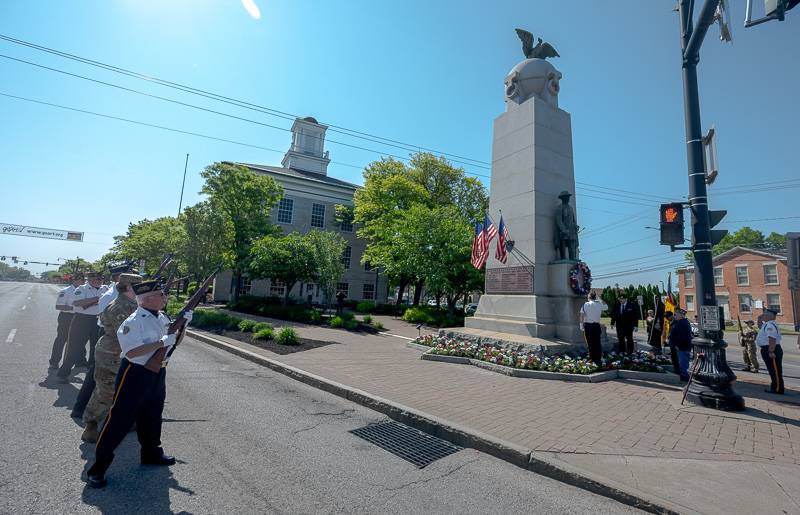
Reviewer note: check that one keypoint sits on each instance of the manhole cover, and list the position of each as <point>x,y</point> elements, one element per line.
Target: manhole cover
<point>412,445</point>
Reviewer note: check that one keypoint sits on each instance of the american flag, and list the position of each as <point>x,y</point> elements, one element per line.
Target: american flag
<point>491,230</point>
<point>501,252</point>
<point>480,246</point>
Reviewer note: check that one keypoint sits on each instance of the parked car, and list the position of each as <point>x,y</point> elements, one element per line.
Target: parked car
<point>471,309</point>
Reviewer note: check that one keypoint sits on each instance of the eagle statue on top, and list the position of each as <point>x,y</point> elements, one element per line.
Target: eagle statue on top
<point>535,76</point>
<point>540,51</point>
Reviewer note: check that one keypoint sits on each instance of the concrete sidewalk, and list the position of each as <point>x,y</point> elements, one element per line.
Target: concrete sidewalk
<point>634,437</point>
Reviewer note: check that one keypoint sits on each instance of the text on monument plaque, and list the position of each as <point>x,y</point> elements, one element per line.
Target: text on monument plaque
<point>510,280</point>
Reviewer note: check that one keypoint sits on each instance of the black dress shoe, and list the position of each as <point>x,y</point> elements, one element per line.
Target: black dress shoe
<point>96,481</point>
<point>76,414</point>
<point>163,460</point>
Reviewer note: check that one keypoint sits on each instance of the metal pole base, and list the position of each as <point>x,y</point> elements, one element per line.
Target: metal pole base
<point>711,385</point>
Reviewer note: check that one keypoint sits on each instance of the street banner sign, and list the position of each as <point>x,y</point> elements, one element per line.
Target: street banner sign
<point>39,232</point>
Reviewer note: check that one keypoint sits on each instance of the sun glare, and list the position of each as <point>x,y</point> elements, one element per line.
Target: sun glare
<point>252,9</point>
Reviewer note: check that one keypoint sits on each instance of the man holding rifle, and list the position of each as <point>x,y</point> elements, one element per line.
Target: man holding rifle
<point>747,338</point>
<point>140,391</point>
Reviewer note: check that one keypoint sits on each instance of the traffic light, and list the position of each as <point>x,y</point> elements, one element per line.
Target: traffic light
<point>715,217</point>
<point>778,7</point>
<point>671,224</point>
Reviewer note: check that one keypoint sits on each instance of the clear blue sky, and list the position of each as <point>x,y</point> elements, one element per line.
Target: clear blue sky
<point>428,73</point>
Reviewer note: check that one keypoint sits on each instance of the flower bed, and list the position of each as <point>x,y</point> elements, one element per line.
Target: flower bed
<point>568,364</point>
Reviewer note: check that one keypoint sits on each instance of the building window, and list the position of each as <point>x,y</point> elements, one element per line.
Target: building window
<point>718,276</point>
<point>723,300</point>
<point>774,302</point>
<point>346,226</point>
<point>309,289</point>
<point>771,274</point>
<point>317,215</point>
<point>285,208</point>
<point>246,286</point>
<point>277,288</point>
<point>348,253</point>
<point>745,303</point>
<point>742,277</point>
<point>343,288</point>
<point>368,292</point>
<point>689,302</point>
<point>688,278</point>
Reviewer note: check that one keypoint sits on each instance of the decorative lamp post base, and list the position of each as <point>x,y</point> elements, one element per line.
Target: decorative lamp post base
<point>711,385</point>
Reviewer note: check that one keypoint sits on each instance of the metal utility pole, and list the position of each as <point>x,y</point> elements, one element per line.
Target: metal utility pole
<point>712,384</point>
<point>185,166</point>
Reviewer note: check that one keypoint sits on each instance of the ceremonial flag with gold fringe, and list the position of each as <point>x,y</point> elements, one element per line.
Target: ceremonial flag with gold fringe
<point>669,305</point>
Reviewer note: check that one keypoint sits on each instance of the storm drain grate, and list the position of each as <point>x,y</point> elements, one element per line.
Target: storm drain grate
<point>412,445</point>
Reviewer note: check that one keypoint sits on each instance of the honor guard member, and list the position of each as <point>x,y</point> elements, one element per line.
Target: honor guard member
<point>590,315</point>
<point>769,341</point>
<point>140,393</point>
<point>64,307</point>
<point>84,324</point>
<point>749,348</point>
<point>107,355</point>
<point>112,291</point>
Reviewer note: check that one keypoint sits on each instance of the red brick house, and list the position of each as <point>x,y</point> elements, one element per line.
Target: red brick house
<point>746,281</point>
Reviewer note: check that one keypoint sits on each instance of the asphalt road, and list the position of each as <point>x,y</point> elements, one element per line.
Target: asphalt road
<point>248,440</point>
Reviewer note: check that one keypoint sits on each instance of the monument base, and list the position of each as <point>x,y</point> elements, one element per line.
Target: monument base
<point>544,346</point>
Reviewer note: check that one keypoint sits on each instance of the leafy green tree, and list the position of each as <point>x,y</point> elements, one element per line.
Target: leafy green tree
<point>245,199</point>
<point>744,237</point>
<point>775,241</point>
<point>71,266</point>
<point>14,273</point>
<point>328,249</point>
<point>288,259</point>
<point>209,239</point>
<point>151,240</point>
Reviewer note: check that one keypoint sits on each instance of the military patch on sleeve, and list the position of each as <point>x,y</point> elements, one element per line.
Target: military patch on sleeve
<point>78,292</point>
<point>125,329</point>
<point>61,294</point>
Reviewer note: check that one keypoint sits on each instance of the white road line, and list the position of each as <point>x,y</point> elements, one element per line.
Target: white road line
<point>29,298</point>
<point>396,335</point>
<point>11,336</point>
<point>23,308</point>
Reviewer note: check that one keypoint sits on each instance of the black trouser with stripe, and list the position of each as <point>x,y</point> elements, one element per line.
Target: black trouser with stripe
<point>139,397</point>
<point>593,333</point>
<point>775,367</point>
<point>82,329</point>
<point>64,320</point>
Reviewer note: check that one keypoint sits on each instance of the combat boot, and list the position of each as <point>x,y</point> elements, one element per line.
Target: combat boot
<point>90,433</point>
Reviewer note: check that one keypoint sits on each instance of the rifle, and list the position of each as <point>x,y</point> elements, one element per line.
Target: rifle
<point>163,266</point>
<point>157,360</point>
<point>741,330</point>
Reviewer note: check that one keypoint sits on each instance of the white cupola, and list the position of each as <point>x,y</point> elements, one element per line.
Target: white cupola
<point>307,152</point>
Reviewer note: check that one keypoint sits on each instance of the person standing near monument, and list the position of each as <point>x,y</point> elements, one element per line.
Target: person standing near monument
<point>590,315</point>
<point>769,341</point>
<point>748,341</point>
<point>566,229</point>
<point>625,317</point>
<point>680,339</point>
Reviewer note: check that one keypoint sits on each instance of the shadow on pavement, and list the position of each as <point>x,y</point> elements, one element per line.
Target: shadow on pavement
<point>67,392</point>
<point>132,488</point>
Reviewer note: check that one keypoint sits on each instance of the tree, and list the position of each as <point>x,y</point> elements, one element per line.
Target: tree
<point>245,199</point>
<point>151,240</point>
<point>209,239</point>
<point>287,259</point>
<point>775,241</point>
<point>744,237</point>
<point>328,250</point>
<point>71,266</point>
<point>14,273</point>
<point>391,191</point>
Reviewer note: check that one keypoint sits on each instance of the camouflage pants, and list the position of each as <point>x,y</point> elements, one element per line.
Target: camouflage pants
<point>750,355</point>
<point>106,365</point>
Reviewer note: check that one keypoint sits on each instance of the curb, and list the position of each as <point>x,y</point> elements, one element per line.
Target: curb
<point>534,461</point>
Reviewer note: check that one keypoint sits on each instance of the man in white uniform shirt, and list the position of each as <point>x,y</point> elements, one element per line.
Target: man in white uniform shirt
<point>140,392</point>
<point>84,324</point>
<point>590,315</point>
<point>769,341</point>
<point>64,307</point>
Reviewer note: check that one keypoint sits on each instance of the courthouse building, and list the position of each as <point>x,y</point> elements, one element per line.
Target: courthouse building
<point>746,281</point>
<point>309,200</point>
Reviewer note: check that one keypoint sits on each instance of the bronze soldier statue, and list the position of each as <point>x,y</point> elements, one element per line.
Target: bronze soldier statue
<point>565,235</point>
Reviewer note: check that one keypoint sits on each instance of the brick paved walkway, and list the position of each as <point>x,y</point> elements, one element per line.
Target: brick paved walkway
<point>614,418</point>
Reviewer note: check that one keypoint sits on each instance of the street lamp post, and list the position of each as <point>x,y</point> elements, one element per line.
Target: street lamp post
<point>711,385</point>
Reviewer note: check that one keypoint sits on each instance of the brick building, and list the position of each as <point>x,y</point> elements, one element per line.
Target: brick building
<point>746,281</point>
<point>310,197</point>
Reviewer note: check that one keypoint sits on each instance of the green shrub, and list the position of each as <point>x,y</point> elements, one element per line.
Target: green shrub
<point>336,322</point>
<point>232,323</point>
<point>287,336</point>
<point>173,306</point>
<point>367,319</point>
<point>246,325</point>
<point>350,303</point>
<point>209,318</point>
<point>365,306</point>
<point>261,326</point>
<point>346,315</point>
<point>378,325</point>
<point>314,315</point>
<point>266,333</point>
<point>351,324</point>
<point>192,287</point>
<point>418,315</point>
<point>385,309</point>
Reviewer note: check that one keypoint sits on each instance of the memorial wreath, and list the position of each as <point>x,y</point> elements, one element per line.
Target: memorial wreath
<point>580,278</point>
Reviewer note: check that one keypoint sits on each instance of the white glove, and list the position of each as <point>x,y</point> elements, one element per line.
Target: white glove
<point>188,316</point>
<point>168,340</point>
<point>583,328</point>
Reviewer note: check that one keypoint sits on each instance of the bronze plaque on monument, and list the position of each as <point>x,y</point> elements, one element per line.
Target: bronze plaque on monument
<point>510,280</point>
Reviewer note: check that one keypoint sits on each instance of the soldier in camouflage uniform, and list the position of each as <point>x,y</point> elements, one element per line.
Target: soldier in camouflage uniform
<point>107,355</point>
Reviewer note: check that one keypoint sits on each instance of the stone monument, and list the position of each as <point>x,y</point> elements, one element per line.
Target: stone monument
<point>529,300</point>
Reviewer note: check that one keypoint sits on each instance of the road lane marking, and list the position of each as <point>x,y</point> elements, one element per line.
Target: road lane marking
<point>23,308</point>
<point>11,336</point>
<point>29,298</point>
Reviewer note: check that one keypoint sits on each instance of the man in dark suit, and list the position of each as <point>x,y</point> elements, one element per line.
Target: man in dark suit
<point>625,316</point>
